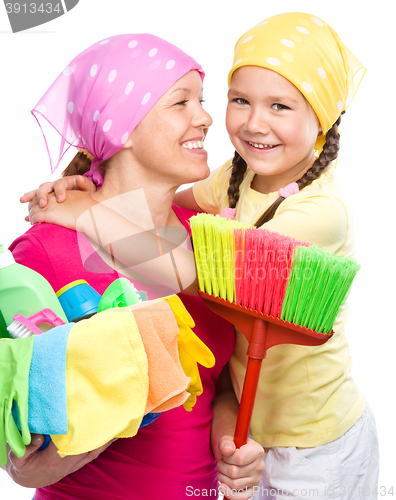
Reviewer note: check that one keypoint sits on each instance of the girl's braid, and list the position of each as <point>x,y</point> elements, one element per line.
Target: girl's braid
<point>238,171</point>
<point>328,154</point>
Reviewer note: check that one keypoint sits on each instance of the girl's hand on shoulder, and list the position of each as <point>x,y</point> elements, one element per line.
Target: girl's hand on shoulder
<point>64,214</point>
<point>37,469</point>
<point>239,469</point>
<point>59,188</point>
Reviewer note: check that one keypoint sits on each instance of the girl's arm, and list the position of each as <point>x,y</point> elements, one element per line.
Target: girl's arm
<point>185,199</point>
<point>239,469</point>
<point>59,188</point>
<point>162,258</point>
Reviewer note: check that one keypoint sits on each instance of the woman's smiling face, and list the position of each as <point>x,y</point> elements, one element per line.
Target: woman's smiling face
<point>271,125</point>
<point>169,139</point>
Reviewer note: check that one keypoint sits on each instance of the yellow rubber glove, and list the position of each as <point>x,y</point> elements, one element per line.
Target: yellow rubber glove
<point>191,350</point>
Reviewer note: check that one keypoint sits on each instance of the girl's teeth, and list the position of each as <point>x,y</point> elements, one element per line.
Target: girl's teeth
<point>261,146</point>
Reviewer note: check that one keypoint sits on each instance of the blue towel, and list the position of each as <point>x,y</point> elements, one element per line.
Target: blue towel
<point>47,403</point>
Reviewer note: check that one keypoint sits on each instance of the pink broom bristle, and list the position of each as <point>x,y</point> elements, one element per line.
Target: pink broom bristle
<point>285,255</point>
<point>239,256</point>
<point>263,274</point>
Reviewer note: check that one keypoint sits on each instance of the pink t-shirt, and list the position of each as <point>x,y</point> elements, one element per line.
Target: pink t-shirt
<point>172,457</point>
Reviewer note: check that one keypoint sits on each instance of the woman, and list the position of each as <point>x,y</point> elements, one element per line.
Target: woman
<point>133,104</point>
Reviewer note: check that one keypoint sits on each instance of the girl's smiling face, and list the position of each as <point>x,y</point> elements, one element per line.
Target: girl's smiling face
<point>272,126</point>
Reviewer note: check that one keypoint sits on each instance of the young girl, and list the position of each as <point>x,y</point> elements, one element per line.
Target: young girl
<point>291,80</point>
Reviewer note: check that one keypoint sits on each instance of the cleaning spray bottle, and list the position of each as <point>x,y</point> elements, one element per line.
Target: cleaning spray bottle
<point>23,291</point>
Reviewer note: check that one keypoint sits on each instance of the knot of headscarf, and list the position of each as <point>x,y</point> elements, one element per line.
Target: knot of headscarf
<point>309,53</point>
<point>100,97</point>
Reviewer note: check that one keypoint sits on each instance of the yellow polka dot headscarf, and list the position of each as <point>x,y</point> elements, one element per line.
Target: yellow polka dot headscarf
<point>309,53</point>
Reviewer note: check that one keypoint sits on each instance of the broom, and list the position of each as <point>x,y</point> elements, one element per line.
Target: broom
<point>275,289</point>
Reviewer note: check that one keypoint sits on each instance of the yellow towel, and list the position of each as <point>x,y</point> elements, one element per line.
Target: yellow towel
<point>106,379</point>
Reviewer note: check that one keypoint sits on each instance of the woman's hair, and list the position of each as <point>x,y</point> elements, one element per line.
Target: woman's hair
<point>80,164</point>
<point>328,154</point>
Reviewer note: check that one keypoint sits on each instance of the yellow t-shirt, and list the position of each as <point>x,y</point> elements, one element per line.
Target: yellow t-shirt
<point>306,395</point>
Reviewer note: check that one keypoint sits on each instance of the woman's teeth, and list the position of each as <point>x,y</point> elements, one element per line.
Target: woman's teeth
<point>193,145</point>
<point>261,146</point>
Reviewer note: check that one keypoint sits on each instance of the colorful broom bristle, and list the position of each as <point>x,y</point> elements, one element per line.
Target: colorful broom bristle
<point>214,250</point>
<point>270,273</point>
<point>318,288</point>
<point>265,270</point>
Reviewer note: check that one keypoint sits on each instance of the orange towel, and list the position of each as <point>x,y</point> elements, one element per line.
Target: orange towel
<point>159,332</point>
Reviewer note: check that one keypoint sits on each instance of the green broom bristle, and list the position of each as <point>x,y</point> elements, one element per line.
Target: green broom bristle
<point>318,283</point>
<point>318,287</point>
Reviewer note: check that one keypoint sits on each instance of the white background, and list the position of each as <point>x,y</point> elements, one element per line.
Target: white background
<point>208,30</point>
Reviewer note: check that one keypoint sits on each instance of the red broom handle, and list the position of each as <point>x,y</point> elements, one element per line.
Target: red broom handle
<point>256,353</point>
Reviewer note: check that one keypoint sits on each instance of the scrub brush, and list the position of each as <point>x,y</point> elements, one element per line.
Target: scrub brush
<point>23,327</point>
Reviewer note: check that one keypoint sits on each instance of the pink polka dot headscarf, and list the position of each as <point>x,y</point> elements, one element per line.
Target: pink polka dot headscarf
<point>100,97</point>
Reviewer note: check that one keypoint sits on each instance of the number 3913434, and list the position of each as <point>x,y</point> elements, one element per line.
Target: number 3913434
<point>33,8</point>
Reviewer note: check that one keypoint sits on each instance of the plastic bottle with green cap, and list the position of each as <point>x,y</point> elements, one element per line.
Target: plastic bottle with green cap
<point>23,291</point>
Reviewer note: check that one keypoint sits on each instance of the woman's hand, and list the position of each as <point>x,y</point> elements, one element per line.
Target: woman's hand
<point>239,469</point>
<point>64,214</point>
<point>37,469</point>
<point>59,187</point>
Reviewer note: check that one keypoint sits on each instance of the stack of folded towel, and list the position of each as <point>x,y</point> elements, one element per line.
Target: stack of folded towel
<point>94,380</point>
